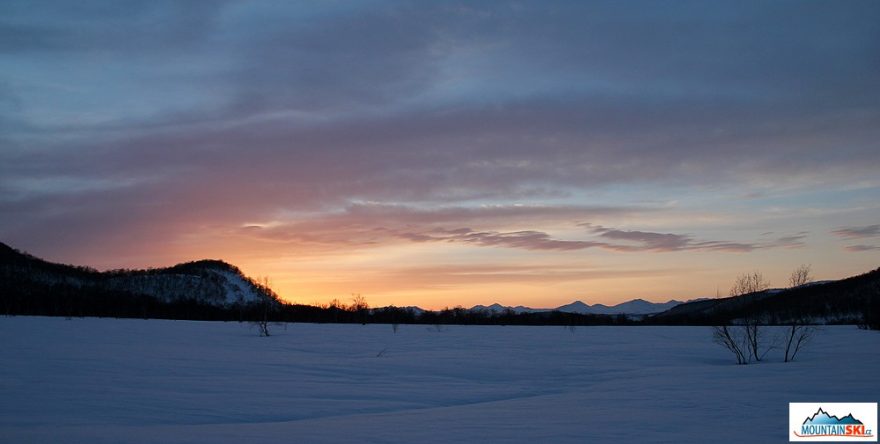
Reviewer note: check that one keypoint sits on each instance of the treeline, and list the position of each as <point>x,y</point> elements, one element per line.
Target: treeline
<point>67,301</point>
<point>456,316</point>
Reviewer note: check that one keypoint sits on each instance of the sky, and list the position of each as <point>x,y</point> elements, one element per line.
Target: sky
<point>446,153</point>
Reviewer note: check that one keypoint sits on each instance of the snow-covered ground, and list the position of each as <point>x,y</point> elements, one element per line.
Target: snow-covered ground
<point>111,381</point>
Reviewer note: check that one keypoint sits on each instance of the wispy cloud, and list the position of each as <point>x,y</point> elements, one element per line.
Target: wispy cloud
<point>370,223</point>
<point>792,241</point>
<point>861,248</point>
<point>667,242</point>
<point>527,240</point>
<point>645,241</point>
<point>858,232</point>
<point>365,226</point>
<point>537,240</point>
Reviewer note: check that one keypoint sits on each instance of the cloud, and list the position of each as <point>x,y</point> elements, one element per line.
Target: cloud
<point>537,240</point>
<point>609,239</point>
<point>647,240</point>
<point>371,225</point>
<point>858,232</point>
<point>667,242</point>
<point>57,28</point>
<point>367,224</point>
<point>791,241</point>
<point>217,114</point>
<point>663,242</point>
<point>861,248</point>
<point>527,240</point>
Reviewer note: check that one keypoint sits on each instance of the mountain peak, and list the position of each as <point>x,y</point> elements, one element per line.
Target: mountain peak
<point>635,306</point>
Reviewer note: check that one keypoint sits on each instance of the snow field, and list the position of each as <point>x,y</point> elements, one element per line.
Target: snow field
<point>127,380</point>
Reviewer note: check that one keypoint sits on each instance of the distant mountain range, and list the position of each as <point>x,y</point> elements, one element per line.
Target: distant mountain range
<point>633,307</point>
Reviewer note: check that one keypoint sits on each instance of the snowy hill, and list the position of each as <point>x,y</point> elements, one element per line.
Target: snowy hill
<point>207,282</point>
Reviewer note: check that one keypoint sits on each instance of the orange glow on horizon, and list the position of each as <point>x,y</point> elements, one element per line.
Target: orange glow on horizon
<point>439,275</point>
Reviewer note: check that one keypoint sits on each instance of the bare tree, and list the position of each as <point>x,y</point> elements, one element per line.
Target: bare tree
<point>799,331</point>
<point>744,341</point>
<point>335,307</point>
<point>358,302</point>
<point>801,276</point>
<point>749,283</point>
<point>799,334</point>
<point>360,306</point>
<point>733,340</point>
<point>262,320</point>
<point>746,283</point>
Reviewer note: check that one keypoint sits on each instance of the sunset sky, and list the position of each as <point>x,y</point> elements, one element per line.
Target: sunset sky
<point>445,153</point>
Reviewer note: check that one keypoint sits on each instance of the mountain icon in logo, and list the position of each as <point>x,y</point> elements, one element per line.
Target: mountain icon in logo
<point>822,417</point>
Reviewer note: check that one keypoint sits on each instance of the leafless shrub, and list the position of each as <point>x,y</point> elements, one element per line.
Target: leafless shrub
<point>799,331</point>
<point>732,339</point>
<point>799,334</point>
<point>746,340</point>
<point>263,327</point>
<point>749,283</point>
<point>756,343</point>
<point>262,322</point>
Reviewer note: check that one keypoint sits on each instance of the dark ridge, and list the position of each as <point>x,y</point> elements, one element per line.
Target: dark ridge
<point>847,300</point>
<point>192,290</point>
